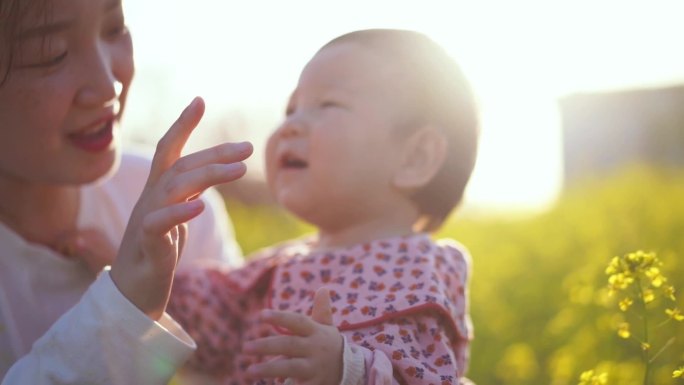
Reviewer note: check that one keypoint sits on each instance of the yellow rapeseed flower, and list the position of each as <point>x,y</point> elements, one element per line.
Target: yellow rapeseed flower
<point>587,374</point>
<point>644,269</point>
<point>620,281</point>
<point>623,330</point>
<point>613,266</point>
<point>648,259</point>
<point>601,379</point>
<point>634,257</point>
<point>640,261</point>
<point>678,373</point>
<point>625,304</point>
<point>657,279</point>
<point>589,378</point>
<point>670,292</point>
<point>675,314</point>
<point>649,296</point>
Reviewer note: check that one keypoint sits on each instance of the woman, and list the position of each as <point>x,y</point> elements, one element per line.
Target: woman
<point>66,194</point>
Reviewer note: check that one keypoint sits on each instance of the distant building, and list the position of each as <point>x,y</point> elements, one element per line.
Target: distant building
<point>603,132</point>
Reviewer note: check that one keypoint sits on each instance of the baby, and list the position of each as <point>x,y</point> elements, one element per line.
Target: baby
<point>376,148</point>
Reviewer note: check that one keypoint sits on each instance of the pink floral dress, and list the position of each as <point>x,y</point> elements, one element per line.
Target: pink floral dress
<point>402,301</point>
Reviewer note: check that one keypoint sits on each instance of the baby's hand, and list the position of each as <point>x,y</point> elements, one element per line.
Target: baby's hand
<point>155,234</point>
<point>312,355</point>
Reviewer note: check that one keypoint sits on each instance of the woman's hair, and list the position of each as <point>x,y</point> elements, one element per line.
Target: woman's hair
<point>439,95</point>
<point>12,13</point>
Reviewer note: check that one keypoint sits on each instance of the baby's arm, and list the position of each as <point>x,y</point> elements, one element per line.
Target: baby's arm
<point>204,303</point>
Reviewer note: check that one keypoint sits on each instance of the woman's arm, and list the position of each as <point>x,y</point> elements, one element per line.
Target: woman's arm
<point>104,339</point>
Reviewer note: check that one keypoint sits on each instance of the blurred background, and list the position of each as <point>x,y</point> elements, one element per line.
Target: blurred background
<point>581,152</point>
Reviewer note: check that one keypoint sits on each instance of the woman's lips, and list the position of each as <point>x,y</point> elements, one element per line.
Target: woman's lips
<point>95,140</point>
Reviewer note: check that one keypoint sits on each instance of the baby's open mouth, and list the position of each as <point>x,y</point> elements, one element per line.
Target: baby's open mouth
<point>290,161</point>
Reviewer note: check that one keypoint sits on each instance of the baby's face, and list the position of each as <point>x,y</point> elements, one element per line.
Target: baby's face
<point>333,158</point>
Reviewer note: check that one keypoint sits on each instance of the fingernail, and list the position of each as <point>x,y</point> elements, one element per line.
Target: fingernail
<point>232,168</point>
<point>194,205</point>
<point>243,147</point>
<point>192,105</point>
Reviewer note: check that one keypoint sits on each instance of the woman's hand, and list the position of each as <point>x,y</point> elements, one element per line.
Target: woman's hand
<point>155,234</point>
<point>312,355</point>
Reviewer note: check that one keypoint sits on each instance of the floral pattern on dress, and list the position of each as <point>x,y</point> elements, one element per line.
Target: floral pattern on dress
<point>404,298</point>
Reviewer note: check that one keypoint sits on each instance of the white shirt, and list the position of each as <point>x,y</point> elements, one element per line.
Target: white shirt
<point>37,287</point>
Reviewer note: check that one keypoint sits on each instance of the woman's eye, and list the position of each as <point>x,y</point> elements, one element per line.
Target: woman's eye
<point>117,30</point>
<point>115,24</point>
<point>47,62</point>
<point>56,59</point>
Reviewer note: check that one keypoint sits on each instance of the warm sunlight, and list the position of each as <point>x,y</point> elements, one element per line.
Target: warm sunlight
<point>243,57</point>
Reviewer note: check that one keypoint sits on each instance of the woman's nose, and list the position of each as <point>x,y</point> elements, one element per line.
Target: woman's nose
<point>99,84</point>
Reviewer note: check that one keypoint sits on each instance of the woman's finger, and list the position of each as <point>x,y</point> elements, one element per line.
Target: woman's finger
<point>222,153</point>
<point>191,183</point>
<point>171,145</point>
<point>162,221</point>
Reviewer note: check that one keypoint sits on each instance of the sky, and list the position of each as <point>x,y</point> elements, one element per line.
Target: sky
<point>244,58</point>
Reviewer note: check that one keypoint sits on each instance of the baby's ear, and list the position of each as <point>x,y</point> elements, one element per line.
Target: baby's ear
<point>424,153</point>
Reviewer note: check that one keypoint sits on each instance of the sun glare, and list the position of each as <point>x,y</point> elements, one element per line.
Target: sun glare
<point>244,57</point>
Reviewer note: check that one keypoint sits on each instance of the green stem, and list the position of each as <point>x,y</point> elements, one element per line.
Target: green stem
<point>646,359</point>
<point>663,323</point>
<point>667,345</point>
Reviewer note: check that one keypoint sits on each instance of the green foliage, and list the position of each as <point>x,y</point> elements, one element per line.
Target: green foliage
<point>540,283</point>
<point>258,226</point>
<point>538,292</point>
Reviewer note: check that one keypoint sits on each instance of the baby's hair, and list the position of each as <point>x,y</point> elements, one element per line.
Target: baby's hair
<point>12,12</point>
<point>439,96</point>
